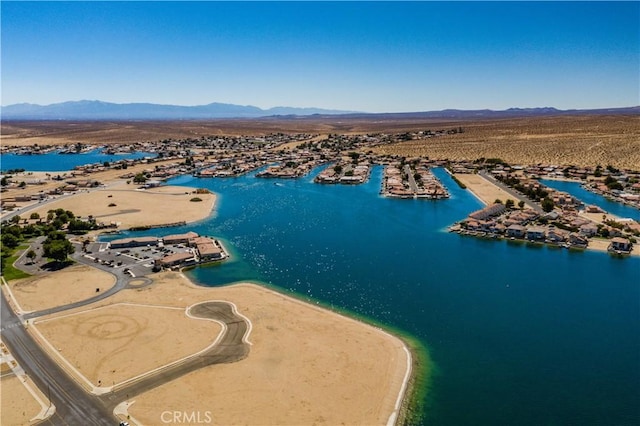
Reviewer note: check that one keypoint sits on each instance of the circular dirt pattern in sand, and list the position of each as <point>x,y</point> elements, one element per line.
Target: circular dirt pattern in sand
<point>108,327</point>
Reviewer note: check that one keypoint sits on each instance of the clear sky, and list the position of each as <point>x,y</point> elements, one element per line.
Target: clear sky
<point>362,56</point>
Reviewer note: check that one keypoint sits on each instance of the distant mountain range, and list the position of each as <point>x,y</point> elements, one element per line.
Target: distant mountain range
<point>98,110</point>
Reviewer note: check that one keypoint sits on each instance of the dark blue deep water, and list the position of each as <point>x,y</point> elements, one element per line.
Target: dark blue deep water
<point>589,197</point>
<point>518,334</point>
<point>54,162</point>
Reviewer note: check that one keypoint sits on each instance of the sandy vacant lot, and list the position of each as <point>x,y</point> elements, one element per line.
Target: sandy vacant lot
<point>69,285</point>
<point>306,365</point>
<point>115,343</point>
<point>135,207</point>
<point>17,405</point>
<point>483,189</point>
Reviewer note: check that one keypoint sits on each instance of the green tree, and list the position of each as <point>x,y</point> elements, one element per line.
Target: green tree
<point>31,255</point>
<point>10,240</point>
<point>497,201</point>
<point>338,169</point>
<point>80,226</point>
<point>547,204</point>
<point>31,230</point>
<point>57,250</point>
<point>521,204</point>
<point>34,216</point>
<point>22,184</point>
<point>509,203</point>
<point>4,181</point>
<point>14,230</point>
<point>140,178</point>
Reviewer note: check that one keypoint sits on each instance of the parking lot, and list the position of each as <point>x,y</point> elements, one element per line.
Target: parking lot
<point>134,261</point>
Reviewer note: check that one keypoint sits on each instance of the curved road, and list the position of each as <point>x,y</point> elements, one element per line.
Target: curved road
<point>73,404</point>
<point>230,348</point>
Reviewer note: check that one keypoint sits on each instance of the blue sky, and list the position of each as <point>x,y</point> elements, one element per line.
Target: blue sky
<point>362,56</point>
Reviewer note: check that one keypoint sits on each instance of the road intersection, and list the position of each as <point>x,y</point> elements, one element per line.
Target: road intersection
<point>73,404</point>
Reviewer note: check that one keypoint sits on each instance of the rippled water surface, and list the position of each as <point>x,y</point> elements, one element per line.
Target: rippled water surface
<point>519,334</point>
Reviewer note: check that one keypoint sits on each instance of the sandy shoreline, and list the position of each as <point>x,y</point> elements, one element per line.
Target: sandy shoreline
<point>306,364</point>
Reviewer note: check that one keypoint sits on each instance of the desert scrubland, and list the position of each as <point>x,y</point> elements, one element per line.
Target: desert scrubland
<point>579,140</point>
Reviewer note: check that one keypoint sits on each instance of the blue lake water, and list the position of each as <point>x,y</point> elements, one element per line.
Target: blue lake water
<point>589,197</point>
<point>54,162</point>
<point>519,334</point>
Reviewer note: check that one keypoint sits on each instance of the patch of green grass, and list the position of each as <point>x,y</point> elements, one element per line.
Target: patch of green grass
<point>9,272</point>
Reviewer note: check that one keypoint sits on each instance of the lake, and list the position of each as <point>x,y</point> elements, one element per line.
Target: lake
<point>518,334</point>
<point>54,162</point>
<point>588,197</point>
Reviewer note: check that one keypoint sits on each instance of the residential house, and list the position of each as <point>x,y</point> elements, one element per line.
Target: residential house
<point>536,233</point>
<point>489,211</point>
<point>578,240</point>
<point>557,235</point>
<point>516,231</point>
<point>620,244</point>
<point>589,229</point>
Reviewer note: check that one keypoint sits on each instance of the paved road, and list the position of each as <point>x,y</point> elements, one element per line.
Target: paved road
<point>28,208</point>
<point>74,406</point>
<point>35,206</point>
<point>121,282</point>
<point>515,194</point>
<point>412,181</point>
<point>230,348</point>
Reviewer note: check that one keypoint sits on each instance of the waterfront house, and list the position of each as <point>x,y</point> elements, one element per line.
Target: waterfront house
<point>578,240</point>
<point>536,233</point>
<point>557,235</point>
<point>498,228</point>
<point>620,244</point>
<point>593,209</point>
<point>516,231</point>
<point>489,211</point>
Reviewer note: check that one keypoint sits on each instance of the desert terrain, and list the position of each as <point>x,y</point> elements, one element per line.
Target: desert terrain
<point>130,207</point>
<point>72,284</point>
<point>580,140</point>
<point>483,189</point>
<point>306,365</point>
